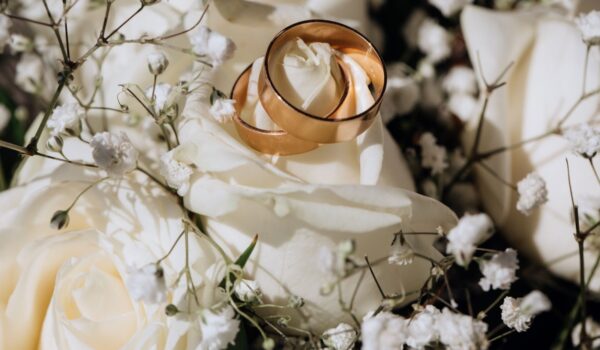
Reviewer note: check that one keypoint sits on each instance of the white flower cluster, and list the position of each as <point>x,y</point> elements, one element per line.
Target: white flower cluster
<point>223,110</point>
<point>341,337</point>
<point>433,156</point>
<point>463,239</point>
<point>453,330</point>
<point>219,328</point>
<point>175,171</point>
<point>434,41</point>
<point>584,139</point>
<point>532,193</point>
<point>114,153</point>
<point>518,313</point>
<point>215,46</point>
<point>589,25</point>
<point>500,271</point>
<point>66,120</point>
<point>461,85</point>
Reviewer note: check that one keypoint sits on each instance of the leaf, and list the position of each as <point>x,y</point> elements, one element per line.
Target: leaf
<point>242,260</point>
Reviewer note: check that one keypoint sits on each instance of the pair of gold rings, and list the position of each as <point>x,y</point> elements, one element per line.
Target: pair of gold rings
<point>302,131</point>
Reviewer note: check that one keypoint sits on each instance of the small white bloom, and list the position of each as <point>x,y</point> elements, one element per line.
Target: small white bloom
<point>464,237</point>
<point>66,119</point>
<point>157,62</point>
<point>223,110</point>
<point>341,337</point>
<point>460,79</point>
<point>147,284</point>
<point>593,330</point>
<point>499,272</point>
<point>114,153</point>
<point>432,155</point>
<point>518,313</point>
<point>422,328</point>
<point>434,41</point>
<point>401,253</point>
<point>213,45</point>
<point>460,332</point>
<point>218,329</point>
<point>20,43</point>
<point>449,7</point>
<point>168,100</point>
<point>5,25</point>
<point>247,290</point>
<point>29,73</point>
<point>589,25</point>
<point>384,331</point>
<point>532,193</point>
<point>584,139</point>
<point>176,173</point>
<point>463,106</point>
<point>4,117</point>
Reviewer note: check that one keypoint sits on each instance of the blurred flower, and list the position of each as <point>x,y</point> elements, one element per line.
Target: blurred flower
<point>247,290</point>
<point>147,284</point>
<point>341,337</point>
<point>449,7</point>
<point>223,109</point>
<point>401,253</point>
<point>384,331</point>
<point>114,153</point>
<point>410,31</point>
<point>589,25</point>
<point>434,41</point>
<point>518,313</point>
<point>464,238</point>
<point>460,79</point>
<point>458,332</point>
<point>432,155</point>
<point>584,139</point>
<point>422,328</point>
<point>593,330</point>
<point>29,73</point>
<point>4,117</point>
<point>66,119</point>
<point>5,25</point>
<point>219,328</point>
<point>402,93</point>
<point>176,173</point>
<point>532,193</point>
<point>20,43</point>
<point>463,106</point>
<point>157,62</point>
<point>499,272</point>
<point>213,45</point>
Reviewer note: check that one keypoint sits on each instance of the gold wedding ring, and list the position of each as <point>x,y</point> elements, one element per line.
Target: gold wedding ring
<point>340,126</point>
<point>264,141</point>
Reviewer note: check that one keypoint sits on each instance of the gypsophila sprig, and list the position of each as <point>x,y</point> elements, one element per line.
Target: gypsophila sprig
<point>458,331</point>
<point>114,153</point>
<point>176,172</point>
<point>433,156</point>
<point>213,45</point>
<point>518,313</point>
<point>66,120</point>
<point>384,331</point>
<point>471,231</point>
<point>584,139</point>
<point>532,193</point>
<point>422,328</point>
<point>500,271</point>
<point>147,284</point>
<point>589,25</point>
<point>401,252</point>
<point>219,328</point>
<point>341,337</point>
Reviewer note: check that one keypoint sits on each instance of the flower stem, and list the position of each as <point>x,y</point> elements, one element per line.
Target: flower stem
<point>33,144</point>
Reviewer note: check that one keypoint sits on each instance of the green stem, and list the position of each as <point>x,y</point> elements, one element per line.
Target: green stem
<point>33,144</point>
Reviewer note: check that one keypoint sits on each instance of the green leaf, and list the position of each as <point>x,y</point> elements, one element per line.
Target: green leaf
<point>243,259</point>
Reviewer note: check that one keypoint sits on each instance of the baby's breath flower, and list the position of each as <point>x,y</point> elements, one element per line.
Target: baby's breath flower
<point>434,41</point>
<point>532,193</point>
<point>66,120</point>
<point>247,290</point>
<point>217,47</point>
<point>219,328</point>
<point>223,109</point>
<point>458,331</point>
<point>449,7</point>
<point>584,139</point>
<point>463,106</point>
<point>401,253</point>
<point>589,25</point>
<point>168,100</point>
<point>518,313</point>
<point>460,79</point>
<point>432,155</point>
<point>384,331</point>
<point>422,328</point>
<point>147,284</point>
<point>499,272</point>
<point>176,173</point>
<point>593,330</point>
<point>157,62</point>
<point>341,337</point>
<point>464,237</point>
<point>114,153</point>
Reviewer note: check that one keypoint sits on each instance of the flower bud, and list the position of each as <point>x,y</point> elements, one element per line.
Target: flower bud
<point>157,62</point>
<point>60,220</point>
<point>268,344</point>
<point>171,310</point>
<point>55,143</point>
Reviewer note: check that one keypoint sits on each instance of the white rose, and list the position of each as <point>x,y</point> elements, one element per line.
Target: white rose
<point>544,82</point>
<point>66,289</point>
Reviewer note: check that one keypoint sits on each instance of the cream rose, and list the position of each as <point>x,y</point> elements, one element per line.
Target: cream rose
<point>543,84</point>
<point>65,289</point>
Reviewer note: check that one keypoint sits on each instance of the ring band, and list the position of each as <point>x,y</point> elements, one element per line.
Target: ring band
<point>264,141</point>
<point>340,126</point>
